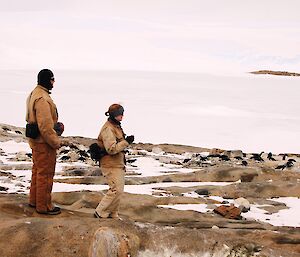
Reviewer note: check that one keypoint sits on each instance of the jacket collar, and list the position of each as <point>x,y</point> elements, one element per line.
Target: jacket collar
<point>43,88</point>
<point>114,122</point>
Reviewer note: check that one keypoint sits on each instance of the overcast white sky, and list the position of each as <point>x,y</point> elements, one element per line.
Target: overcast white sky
<point>163,35</point>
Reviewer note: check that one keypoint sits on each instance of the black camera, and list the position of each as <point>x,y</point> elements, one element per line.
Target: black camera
<point>32,130</point>
<point>96,152</point>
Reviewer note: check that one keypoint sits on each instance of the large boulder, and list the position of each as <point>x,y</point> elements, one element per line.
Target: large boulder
<point>109,242</point>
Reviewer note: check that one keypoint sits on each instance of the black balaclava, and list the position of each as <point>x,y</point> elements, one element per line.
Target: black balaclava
<point>44,78</point>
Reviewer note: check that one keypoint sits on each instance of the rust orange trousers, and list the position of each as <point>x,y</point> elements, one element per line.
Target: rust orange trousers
<point>43,169</point>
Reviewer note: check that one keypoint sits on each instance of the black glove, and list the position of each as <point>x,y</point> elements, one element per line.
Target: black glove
<point>59,128</point>
<point>130,139</point>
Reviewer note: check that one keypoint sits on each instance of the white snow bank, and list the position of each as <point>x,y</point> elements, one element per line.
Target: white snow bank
<point>146,189</point>
<point>187,207</point>
<point>14,147</point>
<point>286,217</point>
<point>148,166</point>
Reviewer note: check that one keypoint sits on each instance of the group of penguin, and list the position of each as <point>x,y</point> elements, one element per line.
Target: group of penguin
<point>83,155</point>
<point>255,156</point>
<point>288,164</point>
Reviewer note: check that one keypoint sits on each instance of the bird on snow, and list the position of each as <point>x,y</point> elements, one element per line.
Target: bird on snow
<point>203,158</point>
<point>131,160</point>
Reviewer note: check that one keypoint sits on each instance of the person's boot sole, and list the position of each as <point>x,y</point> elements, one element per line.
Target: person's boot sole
<point>49,212</point>
<point>96,215</point>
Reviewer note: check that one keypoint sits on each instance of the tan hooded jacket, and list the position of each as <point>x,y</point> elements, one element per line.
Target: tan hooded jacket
<point>111,138</point>
<point>42,110</point>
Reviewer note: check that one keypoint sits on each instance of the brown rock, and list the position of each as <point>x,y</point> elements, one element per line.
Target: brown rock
<point>248,177</point>
<point>216,151</point>
<point>109,242</point>
<point>229,212</point>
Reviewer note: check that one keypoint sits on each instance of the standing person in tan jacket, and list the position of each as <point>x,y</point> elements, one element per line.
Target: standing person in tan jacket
<point>43,131</point>
<point>112,139</point>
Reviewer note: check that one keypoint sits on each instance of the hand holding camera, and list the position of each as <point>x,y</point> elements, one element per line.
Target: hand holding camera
<point>130,139</point>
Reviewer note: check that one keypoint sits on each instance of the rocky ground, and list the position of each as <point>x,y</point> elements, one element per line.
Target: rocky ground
<point>168,209</point>
<point>278,73</point>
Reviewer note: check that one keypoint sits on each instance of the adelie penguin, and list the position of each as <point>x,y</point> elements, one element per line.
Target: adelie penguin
<point>131,160</point>
<point>203,158</point>
<point>81,158</point>
<point>29,155</point>
<point>238,158</point>
<point>83,153</point>
<point>65,158</point>
<point>186,160</point>
<point>244,163</point>
<point>257,157</point>
<point>289,164</point>
<point>213,155</point>
<point>280,167</point>
<point>270,157</point>
<point>64,151</point>
<point>224,158</point>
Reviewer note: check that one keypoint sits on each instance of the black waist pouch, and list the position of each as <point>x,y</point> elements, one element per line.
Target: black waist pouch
<point>32,130</point>
<point>96,152</point>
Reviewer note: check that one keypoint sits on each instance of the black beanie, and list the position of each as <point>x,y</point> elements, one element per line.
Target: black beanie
<point>44,78</point>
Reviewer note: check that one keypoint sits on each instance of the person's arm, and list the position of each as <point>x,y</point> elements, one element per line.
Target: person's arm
<point>110,142</point>
<point>45,123</point>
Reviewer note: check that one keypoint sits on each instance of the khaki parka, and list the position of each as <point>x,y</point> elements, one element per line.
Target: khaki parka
<point>42,110</point>
<point>112,139</point>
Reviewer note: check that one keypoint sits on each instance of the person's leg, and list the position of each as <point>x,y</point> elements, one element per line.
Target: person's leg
<point>119,181</point>
<point>51,165</point>
<point>110,202</point>
<point>32,193</point>
<point>45,156</point>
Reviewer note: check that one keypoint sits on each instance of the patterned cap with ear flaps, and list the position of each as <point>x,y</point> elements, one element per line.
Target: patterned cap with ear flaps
<point>115,110</point>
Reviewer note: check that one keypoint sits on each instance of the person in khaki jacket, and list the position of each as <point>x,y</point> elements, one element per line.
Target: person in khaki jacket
<point>112,139</point>
<point>41,111</point>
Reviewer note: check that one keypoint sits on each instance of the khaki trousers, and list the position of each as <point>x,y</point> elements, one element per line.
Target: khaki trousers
<point>109,205</point>
<point>43,169</point>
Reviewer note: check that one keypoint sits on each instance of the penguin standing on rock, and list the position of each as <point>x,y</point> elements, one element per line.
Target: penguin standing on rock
<point>238,158</point>
<point>257,157</point>
<point>203,158</point>
<point>270,157</point>
<point>224,158</point>
<point>244,163</point>
<point>280,167</point>
<point>289,164</point>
